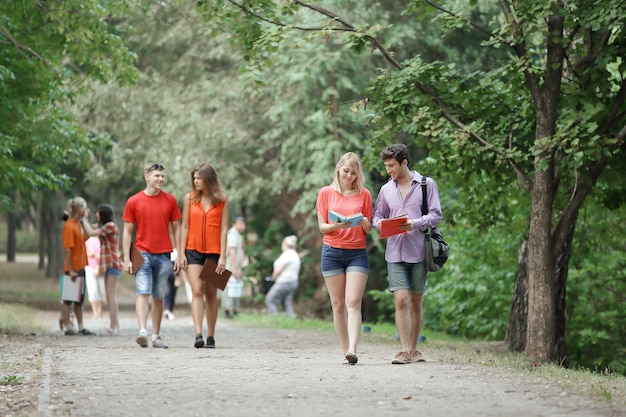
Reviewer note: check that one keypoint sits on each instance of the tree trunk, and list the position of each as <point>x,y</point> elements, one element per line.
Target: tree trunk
<point>11,236</point>
<point>563,238</point>
<point>541,331</point>
<point>52,208</point>
<point>515,338</point>
<point>42,239</point>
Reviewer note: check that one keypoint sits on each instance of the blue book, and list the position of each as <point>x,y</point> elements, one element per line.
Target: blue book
<point>353,219</point>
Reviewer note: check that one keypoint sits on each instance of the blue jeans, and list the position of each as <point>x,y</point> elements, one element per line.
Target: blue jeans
<point>152,276</point>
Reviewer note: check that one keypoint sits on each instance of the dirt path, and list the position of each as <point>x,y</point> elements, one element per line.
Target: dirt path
<point>273,372</point>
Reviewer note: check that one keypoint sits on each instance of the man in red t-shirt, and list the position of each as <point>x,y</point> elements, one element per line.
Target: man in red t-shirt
<point>152,212</point>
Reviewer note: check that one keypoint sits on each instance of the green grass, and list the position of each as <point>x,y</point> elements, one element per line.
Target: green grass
<point>382,332</point>
<point>19,319</point>
<point>12,380</point>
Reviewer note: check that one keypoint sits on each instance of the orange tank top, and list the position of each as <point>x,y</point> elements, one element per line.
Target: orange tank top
<point>205,228</point>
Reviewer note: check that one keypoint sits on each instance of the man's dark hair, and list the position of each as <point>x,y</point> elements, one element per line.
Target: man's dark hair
<point>397,151</point>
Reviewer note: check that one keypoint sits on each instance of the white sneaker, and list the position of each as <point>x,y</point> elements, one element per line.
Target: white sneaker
<point>169,315</point>
<point>142,340</point>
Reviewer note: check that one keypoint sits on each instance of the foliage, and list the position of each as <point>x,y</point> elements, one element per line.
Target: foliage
<point>596,336</point>
<point>46,49</point>
<point>471,296</point>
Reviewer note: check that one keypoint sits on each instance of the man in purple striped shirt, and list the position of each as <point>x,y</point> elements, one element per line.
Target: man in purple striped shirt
<point>402,195</point>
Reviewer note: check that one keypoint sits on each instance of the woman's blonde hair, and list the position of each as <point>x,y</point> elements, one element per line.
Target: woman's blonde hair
<point>291,241</point>
<point>74,205</point>
<point>352,159</point>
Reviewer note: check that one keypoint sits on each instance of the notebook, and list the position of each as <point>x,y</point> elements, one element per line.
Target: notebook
<point>71,289</point>
<point>389,227</point>
<point>209,275</point>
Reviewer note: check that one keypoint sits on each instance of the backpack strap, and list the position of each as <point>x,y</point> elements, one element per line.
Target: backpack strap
<point>424,196</point>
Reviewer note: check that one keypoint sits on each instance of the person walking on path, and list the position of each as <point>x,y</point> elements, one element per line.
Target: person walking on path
<point>108,233</point>
<point>203,236</point>
<point>234,263</point>
<point>75,261</point>
<point>94,278</point>
<point>174,280</point>
<point>152,212</point>
<point>404,253</point>
<point>285,277</point>
<point>345,266</point>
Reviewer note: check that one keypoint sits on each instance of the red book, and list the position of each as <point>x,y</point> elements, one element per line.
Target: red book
<point>389,227</point>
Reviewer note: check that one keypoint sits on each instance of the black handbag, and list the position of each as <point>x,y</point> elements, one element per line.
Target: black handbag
<point>437,250</point>
<point>266,285</point>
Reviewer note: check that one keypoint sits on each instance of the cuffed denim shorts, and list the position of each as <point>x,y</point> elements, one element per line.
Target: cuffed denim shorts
<point>406,276</point>
<point>339,261</point>
<point>152,276</point>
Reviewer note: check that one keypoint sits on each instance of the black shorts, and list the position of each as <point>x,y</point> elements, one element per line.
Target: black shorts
<point>197,258</point>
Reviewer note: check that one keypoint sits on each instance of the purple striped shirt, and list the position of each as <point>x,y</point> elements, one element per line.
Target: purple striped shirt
<point>408,247</point>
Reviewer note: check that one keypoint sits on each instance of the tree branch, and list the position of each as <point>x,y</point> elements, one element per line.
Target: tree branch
<point>520,49</point>
<point>468,21</point>
<point>345,26</point>
<point>21,48</point>
<point>521,174</point>
<point>615,108</point>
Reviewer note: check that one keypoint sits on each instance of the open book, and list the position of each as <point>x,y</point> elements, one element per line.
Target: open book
<point>353,219</point>
<point>389,227</point>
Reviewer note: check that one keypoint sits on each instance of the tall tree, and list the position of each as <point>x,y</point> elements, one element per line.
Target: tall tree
<point>46,50</point>
<point>548,119</point>
<point>274,139</point>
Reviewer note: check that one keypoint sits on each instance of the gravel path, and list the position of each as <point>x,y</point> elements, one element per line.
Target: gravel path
<point>270,372</point>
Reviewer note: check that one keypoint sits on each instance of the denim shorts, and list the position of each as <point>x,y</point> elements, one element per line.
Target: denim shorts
<point>198,258</point>
<point>406,276</point>
<point>112,271</point>
<point>339,261</point>
<point>152,276</point>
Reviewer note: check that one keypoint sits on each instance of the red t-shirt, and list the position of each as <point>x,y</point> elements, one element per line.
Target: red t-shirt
<point>354,237</point>
<point>152,216</point>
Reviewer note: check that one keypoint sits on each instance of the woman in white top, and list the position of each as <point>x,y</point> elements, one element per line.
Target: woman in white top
<point>285,277</point>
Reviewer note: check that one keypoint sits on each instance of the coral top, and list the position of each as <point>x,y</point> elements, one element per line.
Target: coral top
<point>354,237</point>
<point>204,227</point>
